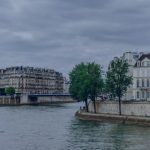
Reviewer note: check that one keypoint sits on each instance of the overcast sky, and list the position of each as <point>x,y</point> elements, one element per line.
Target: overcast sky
<point>61,33</point>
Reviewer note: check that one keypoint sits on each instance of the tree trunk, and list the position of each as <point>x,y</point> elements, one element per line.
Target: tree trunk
<point>94,106</point>
<point>119,105</point>
<point>86,105</point>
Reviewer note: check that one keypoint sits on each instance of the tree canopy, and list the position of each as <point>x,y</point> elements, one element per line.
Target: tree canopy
<point>10,90</point>
<point>86,82</point>
<point>118,79</point>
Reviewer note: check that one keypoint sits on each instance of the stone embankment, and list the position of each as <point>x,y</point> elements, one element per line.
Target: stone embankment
<point>26,100</point>
<point>82,115</point>
<point>128,108</point>
<point>9,100</point>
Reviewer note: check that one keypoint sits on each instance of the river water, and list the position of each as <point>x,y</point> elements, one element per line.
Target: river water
<point>56,128</point>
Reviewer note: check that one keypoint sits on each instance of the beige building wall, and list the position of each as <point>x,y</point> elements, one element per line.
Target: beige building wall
<point>32,80</point>
<point>141,81</point>
<point>131,58</point>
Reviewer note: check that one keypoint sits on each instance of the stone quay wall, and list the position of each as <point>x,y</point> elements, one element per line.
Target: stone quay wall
<point>55,99</point>
<point>24,99</point>
<point>129,108</point>
<point>9,100</point>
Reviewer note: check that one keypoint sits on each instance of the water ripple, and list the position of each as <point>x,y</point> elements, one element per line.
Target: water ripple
<point>56,128</point>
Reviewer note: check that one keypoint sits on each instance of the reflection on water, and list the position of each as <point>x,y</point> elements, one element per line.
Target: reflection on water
<point>104,136</point>
<point>56,128</point>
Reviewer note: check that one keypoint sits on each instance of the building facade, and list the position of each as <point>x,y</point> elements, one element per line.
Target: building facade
<point>131,58</point>
<point>66,86</point>
<point>141,78</point>
<point>139,69</point>
<point>32,80</point>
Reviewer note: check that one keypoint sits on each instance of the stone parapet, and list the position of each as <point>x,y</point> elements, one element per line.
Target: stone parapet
<point>9,100</point>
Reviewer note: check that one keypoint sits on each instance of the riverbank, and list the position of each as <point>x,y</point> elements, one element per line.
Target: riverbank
<point>38,104</point>
<point>25,99</point>
<point>113,118</point>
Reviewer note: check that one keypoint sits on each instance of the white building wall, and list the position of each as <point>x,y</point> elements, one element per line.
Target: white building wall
<point>131,58</point>
<point>141,77</point>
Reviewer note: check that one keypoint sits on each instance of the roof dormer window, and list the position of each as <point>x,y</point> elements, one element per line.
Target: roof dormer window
<point>148,64</point>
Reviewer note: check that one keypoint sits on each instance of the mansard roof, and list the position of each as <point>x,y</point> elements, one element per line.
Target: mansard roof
<point>143,57</point>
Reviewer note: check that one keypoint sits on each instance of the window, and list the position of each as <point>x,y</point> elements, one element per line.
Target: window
<point>148,95</point>
<point>138,94</point>
<point>148,63</point>
<point>147,73</point>
<point>147,82</point>
<point>142,83</point>
<point>137,83</point>
<point>143,94</point>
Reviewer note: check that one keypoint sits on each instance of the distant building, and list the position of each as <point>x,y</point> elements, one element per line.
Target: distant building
<point>66,86</point>
<point>141,78</point>
<point>32,80</point>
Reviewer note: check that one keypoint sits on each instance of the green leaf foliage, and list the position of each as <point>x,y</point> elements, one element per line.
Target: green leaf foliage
<point>117,78</point>
<point>85,81</point>
<point>10,90</point>
<point>78,82</point>
<point>95,79</point>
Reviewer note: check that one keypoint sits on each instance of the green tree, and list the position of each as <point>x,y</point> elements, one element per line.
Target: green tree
<point>85,82</point>
<point>118,79</point>
<point>10,90</point>
<point>78,85</point>
<point>96,81</point>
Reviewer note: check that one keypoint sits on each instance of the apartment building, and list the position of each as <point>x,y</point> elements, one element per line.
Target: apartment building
<point>66,86</point>
<point>131,58</point>
<point>141,78</point>
<point>139,69</point>
<point>32,80</point>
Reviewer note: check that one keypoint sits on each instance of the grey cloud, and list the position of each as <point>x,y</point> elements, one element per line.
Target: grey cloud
<point>60,33</point>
